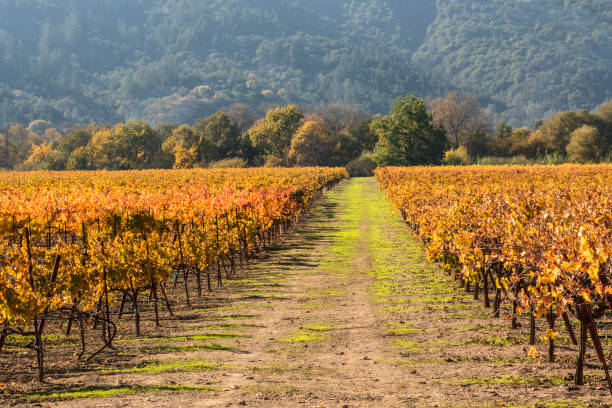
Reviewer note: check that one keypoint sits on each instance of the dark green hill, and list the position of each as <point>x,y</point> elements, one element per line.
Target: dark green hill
<point>178,60</point>
<point>535,57</point>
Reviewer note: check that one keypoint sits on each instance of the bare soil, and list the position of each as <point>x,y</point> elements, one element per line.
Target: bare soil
<point>345,311</point>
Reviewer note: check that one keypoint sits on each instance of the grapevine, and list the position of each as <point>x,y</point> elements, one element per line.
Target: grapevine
<point>538,237</point>
<point>72,244</point>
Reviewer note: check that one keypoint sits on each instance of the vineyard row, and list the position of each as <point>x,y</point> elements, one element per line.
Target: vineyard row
<point>75,243</point>
<point>538,237</point>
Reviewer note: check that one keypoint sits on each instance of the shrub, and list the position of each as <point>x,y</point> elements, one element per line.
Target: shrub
<point>457,157</point>
<point>500,161</point>
<point>231,163</point>
<point>363,166</point>
<point>273,161</point>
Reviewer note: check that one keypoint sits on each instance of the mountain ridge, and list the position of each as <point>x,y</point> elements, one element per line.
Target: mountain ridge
<point>179,60</point>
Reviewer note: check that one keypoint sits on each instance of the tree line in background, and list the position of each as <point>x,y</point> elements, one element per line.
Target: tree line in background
<point>452,130</point>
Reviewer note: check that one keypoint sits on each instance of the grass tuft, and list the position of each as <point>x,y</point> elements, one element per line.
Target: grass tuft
<point>318,327</point>
<point>304,338</point>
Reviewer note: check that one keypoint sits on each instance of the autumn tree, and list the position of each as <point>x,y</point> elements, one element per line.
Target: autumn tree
<point>242,116</point>
<point>338,117</point>
<point>501,140</point>
<point>40,155</point>
<point>220,134</point>
<point>605,112</point>
<point>58,149</point>
<point>349,127</point>
<point>73,140</point>
<point>186,146</point>
<point>585,145</point>
<point>79,159</point>
<point>520,142</point>
<point>16,145</point>
<point>133,145</point>
<point>272,135</point>
<point>44,156</point>
<point>554,134</point>
<point>458,114</point>
<point>408,135</point>
<point>310,145</point>
<point>476,143</point>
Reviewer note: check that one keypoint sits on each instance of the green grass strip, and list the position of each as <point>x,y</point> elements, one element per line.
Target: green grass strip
<point>174,366</point>
<point>113,391</point>
<point>195,337</point>
<point>177,349</point>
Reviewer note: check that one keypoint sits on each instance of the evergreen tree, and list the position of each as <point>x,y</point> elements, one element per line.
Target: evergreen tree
<point>407,136</point>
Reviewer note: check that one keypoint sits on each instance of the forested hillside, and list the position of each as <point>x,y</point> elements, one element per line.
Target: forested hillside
<point>106,61</point>
<point>178,60</point>
<point>533,57</point>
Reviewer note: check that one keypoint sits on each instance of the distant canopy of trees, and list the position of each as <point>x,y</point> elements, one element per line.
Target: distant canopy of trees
<point>562,135</point>
<point>285,136</point>
<point>455,130</point>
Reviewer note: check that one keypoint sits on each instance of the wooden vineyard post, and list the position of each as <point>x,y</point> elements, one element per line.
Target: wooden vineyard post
<point>182,267</point>
<point>514,320</point>
<point>569,328</point>
<point>155,302</point>
<point>3,334</point>
<point>532,326</point>
<point>227,271</point>
<point>231,249</point>
<point>198,280</point>
<point>239,237</point>
<point>70,320</point>
<point>135,306</point>
<point>164,292</point>
<point>246,244</point>
<point>597,345</point>
<point>516,291</point>
<point>551,317</point>
<point>242,239</point>
<point>39,326</point>
<point>107,323</point>
<point>81,332</point>
<point>579,376</point>
<point>107,328</point>
<point>497,300</point>
<point>219,279</point>
<point>136,311</point>
<point>208,278</point>
<point>98,311</point>
<point>122,304</point>
<point>485,288</point>
<point>29,251</point>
